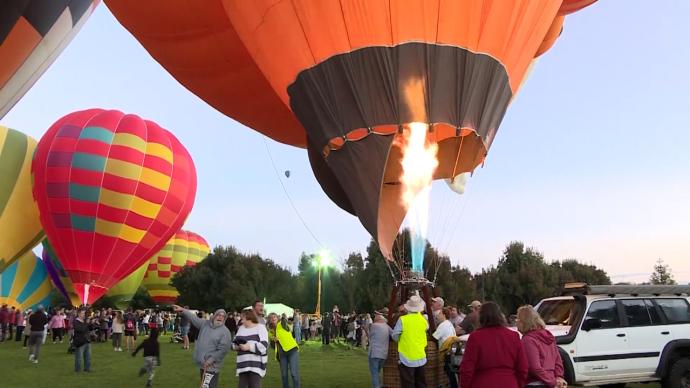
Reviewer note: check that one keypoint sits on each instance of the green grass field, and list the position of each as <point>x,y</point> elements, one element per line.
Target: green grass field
<point>320,366</point>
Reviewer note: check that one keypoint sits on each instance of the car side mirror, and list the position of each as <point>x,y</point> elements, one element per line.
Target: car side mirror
<point>591,323</point>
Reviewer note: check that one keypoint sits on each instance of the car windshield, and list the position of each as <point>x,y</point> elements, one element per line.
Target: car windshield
<point>562,312</point>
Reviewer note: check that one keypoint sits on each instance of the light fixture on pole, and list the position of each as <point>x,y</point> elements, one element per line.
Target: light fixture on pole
<point>322,259</point>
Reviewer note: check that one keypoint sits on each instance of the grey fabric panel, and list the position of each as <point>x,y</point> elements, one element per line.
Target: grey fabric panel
<point>359,168</point>
<point>328,181</point>
<point>372,86</point>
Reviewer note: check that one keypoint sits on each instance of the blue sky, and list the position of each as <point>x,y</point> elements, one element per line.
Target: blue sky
<point>590,162</point>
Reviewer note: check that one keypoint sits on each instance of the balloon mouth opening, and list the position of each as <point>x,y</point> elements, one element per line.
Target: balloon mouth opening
<point>89,293</point>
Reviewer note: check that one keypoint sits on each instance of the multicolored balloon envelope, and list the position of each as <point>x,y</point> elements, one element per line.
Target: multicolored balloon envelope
<point>32,35</point>
<point>58,276</point>
<point>25,283</point>
<point>122,292</point>
<point>184,249</point>
<point>111,189</point>
<point>347,78</point>
<point>20,227</point>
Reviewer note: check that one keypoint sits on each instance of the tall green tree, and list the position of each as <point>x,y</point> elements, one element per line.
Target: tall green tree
<point>662,274</point>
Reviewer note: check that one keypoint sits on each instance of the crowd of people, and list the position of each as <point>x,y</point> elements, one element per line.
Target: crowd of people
<point>494,354</point>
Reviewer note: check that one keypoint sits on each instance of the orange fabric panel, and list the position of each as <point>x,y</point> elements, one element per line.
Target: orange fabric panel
<point>16,47</point>
<point>199,47</point>
<point>570,6</point>
<point>551,36</point>
<point>304,32</point>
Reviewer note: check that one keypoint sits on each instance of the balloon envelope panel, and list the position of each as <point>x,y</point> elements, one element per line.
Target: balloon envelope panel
<point>32,35</point>
<point>20,227</point>
<point>25,283</point>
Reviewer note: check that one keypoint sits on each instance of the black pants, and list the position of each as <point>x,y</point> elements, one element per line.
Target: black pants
<point>20,330</point>
<point>209,379</point>
<point>57,334</point>
<point>326,337</point>
<point>412,377</point>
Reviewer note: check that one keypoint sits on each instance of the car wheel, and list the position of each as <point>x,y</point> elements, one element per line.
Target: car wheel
<point>679,376</point>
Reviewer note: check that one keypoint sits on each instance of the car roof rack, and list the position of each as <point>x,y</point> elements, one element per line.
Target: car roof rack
<point>570,289</point>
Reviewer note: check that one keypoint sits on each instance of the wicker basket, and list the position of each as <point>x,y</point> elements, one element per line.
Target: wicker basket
<point>435,375</point>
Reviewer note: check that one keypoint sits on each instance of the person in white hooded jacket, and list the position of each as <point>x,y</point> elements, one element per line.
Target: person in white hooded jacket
<point>211,345</point>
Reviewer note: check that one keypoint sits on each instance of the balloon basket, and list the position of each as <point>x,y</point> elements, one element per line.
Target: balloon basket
<point>434,374</point>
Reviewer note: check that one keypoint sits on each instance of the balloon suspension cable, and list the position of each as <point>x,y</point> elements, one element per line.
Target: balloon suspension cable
<point>457,159</point>
<point>287,195</point>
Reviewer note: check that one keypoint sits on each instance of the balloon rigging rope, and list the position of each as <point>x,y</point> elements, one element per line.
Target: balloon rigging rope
<point>287,195</point>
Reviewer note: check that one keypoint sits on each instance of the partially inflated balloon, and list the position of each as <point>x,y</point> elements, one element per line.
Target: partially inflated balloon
<point>32,35</point>
<point>58,276</point>
<point>348,78</point>
<point>184,249</point>
<point>122,292</point>
<point>20,227</point>
<point>198,249</point>
<point>25,283</point>
<point>111,189</point>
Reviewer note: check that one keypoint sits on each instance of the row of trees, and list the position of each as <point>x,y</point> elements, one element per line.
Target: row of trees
<point>233,280</point>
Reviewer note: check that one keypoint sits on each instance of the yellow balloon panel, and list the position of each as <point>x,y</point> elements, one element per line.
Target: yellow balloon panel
<point>20,227</point>
<point>25,283</point>
<point>124,290</point>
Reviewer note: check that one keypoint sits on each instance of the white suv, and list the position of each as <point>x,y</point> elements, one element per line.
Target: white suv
<point>612,335</point>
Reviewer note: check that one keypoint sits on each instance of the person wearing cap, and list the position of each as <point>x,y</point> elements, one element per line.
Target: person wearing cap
<point>379,334</point>
<point>410,334</point>
<point>471,321</point>
<point>211,345</point>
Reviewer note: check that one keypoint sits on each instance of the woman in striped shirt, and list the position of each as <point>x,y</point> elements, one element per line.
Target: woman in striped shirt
<point>251,344</point>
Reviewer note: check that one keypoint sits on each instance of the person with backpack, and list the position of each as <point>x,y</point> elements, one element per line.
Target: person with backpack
<point>152,356</point>
<point>130,330</point>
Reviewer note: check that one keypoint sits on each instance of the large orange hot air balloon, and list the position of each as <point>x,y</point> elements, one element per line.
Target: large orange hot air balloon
<point>347,79</point>
<point>111,189</point>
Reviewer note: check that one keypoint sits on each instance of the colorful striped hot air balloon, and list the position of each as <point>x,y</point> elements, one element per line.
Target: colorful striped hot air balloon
<point>350,80</point>
<point>198,249</point>
<point>20,227</point>
<point>122,292</point>
<point>184,249</point>
<point>163,266</point>
<point>32,35</point>
<point>25,283</point>
<point>111,188</point>
<point>58,276</point>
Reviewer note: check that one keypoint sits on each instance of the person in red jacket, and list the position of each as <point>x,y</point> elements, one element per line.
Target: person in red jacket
<point>545,364</point>
<point>494,356</point>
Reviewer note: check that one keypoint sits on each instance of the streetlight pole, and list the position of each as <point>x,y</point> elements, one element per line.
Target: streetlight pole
<point>318,293</point>
<point>322,260</point>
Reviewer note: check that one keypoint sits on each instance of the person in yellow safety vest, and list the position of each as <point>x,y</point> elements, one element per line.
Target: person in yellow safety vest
<point>410,334</point>
<point>287,350</point>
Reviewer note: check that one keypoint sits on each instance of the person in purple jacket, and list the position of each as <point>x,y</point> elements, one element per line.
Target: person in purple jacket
<point>545,367</point>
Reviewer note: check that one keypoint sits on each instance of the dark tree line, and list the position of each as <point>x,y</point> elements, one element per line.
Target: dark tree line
<point>231,279</point>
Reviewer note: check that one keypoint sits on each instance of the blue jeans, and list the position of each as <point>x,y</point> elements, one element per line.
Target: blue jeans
<point>85,352</point>
<point>289,360</point>
<point>298,334</point>
<point>375,366</point>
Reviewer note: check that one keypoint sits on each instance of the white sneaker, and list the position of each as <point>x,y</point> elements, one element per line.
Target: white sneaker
<point>35,361</point>
<point>119,349</point>
<point>31,357</point>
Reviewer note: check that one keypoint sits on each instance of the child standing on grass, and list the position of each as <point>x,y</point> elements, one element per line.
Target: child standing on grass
<point>152,356</point>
